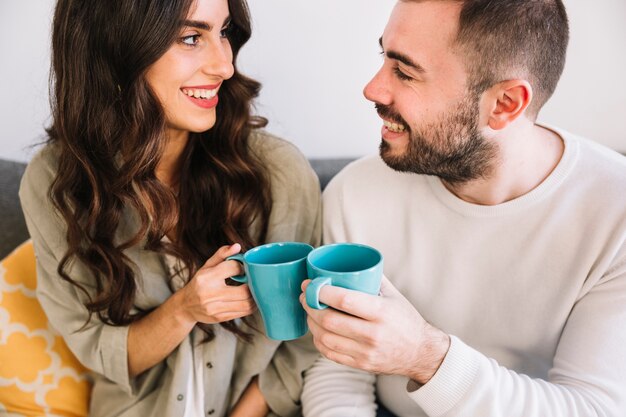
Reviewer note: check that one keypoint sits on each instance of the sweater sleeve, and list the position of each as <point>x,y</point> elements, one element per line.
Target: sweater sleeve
<point>331,389</point>
<point>334,390</point>
<point>296,216</point>
<point>587,377</point>
<point>99,347</point>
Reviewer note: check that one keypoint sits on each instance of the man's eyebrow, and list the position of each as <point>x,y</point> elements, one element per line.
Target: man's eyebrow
<point>402,58</point>
<point>198,24</point>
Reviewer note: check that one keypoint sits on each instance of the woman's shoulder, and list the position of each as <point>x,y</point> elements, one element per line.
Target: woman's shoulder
<point>41,170</point>
<point>36,203</point>
<point>279,156</point>
<point>268,146</point>
<point>296,193</point>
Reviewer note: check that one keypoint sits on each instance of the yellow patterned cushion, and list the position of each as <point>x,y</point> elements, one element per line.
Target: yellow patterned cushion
<point>38,374</point>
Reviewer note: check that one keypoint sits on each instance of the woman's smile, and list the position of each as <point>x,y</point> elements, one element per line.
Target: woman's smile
<point>204,96</point>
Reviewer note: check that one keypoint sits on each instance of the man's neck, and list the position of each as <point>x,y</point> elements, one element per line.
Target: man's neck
<point>527,154</point>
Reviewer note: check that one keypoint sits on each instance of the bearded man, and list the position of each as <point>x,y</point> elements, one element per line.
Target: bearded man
<point>504,240</point>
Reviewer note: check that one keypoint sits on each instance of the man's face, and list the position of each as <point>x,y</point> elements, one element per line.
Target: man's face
<point>431,116</point>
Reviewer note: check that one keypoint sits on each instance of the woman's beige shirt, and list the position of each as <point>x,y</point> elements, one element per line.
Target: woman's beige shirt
<point>228,364</point>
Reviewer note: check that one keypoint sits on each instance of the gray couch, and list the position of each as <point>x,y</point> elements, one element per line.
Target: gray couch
<point>13,229</point>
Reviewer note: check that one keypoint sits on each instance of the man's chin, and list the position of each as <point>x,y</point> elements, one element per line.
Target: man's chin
<point>394,157</point>
<point>392,149</point>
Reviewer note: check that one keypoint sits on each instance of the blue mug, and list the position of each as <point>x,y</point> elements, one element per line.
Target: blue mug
<point>275,272</point>
<point>348,265</point>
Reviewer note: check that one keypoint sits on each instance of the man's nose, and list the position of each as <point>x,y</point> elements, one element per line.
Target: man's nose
<point>377,90</point>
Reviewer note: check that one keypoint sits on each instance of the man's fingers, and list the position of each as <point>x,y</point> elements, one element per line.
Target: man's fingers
<point>356,303</point>
<point>332,346</point>
<point>387,288</point>
<point>340,332</point>
<point>340,323</point>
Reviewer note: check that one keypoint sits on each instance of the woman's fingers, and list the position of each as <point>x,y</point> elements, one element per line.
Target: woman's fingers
<point>228,310</point>
<point>240,293</point>
<point>216,276</point>
<point>209,299</point>
<point>221,254</point>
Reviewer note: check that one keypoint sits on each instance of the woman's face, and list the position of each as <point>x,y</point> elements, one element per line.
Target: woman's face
<point>188,77</point>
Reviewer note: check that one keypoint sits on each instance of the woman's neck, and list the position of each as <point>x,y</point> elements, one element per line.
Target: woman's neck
<point>168,169</point>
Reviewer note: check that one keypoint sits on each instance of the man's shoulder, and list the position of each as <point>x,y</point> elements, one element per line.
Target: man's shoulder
<point>606,164</point>
<point>364,168</point>
<point>596,178</point>
<point>370,176</point>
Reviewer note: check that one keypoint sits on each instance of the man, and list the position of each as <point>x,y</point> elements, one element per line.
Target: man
<point>504,240</point>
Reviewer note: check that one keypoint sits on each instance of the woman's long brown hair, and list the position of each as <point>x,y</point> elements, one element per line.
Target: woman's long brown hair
<point>109,128</point>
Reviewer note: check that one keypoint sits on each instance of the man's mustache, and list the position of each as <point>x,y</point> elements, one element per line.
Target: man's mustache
<point>388,113</point>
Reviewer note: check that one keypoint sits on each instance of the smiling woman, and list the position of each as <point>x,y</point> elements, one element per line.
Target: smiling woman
<point>154,173</point>
<point>187,78</point>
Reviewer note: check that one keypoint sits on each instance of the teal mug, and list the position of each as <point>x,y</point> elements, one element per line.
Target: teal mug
<point>348,265</point>
<point>274,273</point>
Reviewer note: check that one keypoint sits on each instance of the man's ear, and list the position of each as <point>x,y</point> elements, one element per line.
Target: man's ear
<point>507,101</point>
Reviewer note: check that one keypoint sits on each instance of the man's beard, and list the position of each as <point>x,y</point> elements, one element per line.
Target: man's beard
<point>450,148</point>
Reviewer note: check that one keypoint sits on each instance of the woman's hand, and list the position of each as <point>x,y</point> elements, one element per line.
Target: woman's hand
<point>252,402</point>
<point>207,298</point>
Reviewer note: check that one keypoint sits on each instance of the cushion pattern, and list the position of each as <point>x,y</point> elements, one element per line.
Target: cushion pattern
<point>38,374</point>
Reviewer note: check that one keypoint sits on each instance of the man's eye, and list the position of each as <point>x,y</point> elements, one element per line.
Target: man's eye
<point>226,31</point>
<point>401,75</point>
<point>191,40</point>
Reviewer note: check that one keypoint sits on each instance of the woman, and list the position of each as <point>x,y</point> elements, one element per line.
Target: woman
<point>154,173</point>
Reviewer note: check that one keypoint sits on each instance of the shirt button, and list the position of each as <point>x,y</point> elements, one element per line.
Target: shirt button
<point>210,412</point>
<point>209,365</point>
<point>180,397</point>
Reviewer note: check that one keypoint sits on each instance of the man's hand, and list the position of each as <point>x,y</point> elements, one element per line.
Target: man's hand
<point>380,334</point>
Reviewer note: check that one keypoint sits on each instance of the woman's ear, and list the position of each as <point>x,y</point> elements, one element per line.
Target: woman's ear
<point>507,101</point>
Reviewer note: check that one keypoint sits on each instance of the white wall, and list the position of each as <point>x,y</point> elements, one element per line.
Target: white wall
<point>314,57</point>
<point>24,48</point>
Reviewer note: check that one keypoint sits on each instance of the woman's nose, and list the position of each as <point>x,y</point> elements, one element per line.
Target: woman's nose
<point>219,60</point>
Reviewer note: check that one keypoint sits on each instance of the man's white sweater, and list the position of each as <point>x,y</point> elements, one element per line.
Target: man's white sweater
<point>533,291</point>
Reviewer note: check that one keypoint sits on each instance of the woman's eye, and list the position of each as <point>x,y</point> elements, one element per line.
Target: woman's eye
<point>190,40</point>
<point>401,75</point>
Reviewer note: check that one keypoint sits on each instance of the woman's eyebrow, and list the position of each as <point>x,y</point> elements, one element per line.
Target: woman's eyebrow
<point>198,24</point>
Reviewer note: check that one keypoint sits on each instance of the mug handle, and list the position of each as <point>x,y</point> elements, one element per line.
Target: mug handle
<point>239,278</point>
<point>313,292</point>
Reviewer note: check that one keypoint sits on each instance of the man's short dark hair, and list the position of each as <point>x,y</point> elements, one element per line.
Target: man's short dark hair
<point>506,39</point>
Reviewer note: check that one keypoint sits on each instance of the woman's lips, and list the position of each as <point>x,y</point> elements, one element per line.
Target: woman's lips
<point>204,103</point>
<point>204,96</point>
